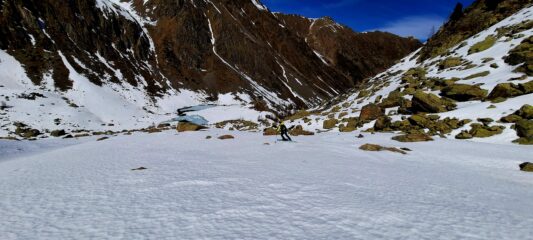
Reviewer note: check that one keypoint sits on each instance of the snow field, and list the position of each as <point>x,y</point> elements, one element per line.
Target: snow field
<point>321,187</point>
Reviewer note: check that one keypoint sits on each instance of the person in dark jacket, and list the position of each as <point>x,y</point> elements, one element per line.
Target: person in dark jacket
<point>284,131</point>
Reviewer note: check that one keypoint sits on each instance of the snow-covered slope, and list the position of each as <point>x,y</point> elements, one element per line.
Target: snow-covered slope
<point>474,66</point>
<point>87,106</point>
<point>321,187</point>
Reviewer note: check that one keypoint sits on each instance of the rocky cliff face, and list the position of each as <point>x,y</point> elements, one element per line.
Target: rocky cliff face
<point>215,47</point>
<point>44,35</point>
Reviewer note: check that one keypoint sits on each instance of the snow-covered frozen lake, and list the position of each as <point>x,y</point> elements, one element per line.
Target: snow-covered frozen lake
<point>322,187</point>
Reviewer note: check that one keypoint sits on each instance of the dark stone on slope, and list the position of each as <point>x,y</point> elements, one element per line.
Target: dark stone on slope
<point>521,55</point>
<point>370,112</point>
<point>527,88</point>
<point>394,99</point>
<point>226,137</point>
<point>464,92</point>
<point>58,133</point>
<point>505,90</point>
<point>383,123</point>
<point>464,135</point>
<point>430,103</point>
<point>483,131</point>
<point>511,118</point>
<point>330,123</point>
<point>524,129</point>
<point>525,112</point>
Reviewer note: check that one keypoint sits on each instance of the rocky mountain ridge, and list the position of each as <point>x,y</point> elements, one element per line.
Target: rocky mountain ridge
<point>210,46</point>
<point>131,63</point>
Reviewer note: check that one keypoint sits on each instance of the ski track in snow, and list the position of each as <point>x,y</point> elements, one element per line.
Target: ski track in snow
<point>320,187</point>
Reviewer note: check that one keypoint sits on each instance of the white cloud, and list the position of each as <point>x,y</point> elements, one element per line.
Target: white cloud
<point>417,26</point>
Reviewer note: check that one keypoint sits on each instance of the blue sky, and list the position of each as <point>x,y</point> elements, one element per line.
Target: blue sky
<point>402,17</point>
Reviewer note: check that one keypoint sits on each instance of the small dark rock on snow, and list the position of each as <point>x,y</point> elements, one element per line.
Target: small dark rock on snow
<point>224,137</point>
<point>139,169</point>
<point>102,138</point>
<point>526,167</point>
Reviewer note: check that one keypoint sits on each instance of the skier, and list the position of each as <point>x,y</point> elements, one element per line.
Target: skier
<point>282,129</point>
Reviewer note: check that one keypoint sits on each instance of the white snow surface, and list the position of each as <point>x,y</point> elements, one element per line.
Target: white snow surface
<point>320,187</point>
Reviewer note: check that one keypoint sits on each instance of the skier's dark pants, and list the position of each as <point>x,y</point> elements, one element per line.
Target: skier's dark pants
<point>285,134</point>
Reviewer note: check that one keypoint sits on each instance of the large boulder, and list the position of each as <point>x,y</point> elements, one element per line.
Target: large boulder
<point>511,118</point>
<point>330,123</point>
<point>371,112</point>
<point>521,55</point>
<point>393,100</point>
<point>420,120</point>
<point>378,148</point>
<point>346,128</point>
<point>350,125</point>
<point>464,135</point>
<point>526,112</point>
<point>505,90</point>
<point>527,88</point>
<point>413,137</point>
<point>383,123</point>
<point>270,132</point>
<point>405,107</point>
<point>464,92</point>
<point>482,130</point>
<point>430,103</point>
<point>299,131</point>
<point>58,133</point>
<point>524,129</point>
<point>188,127</point>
